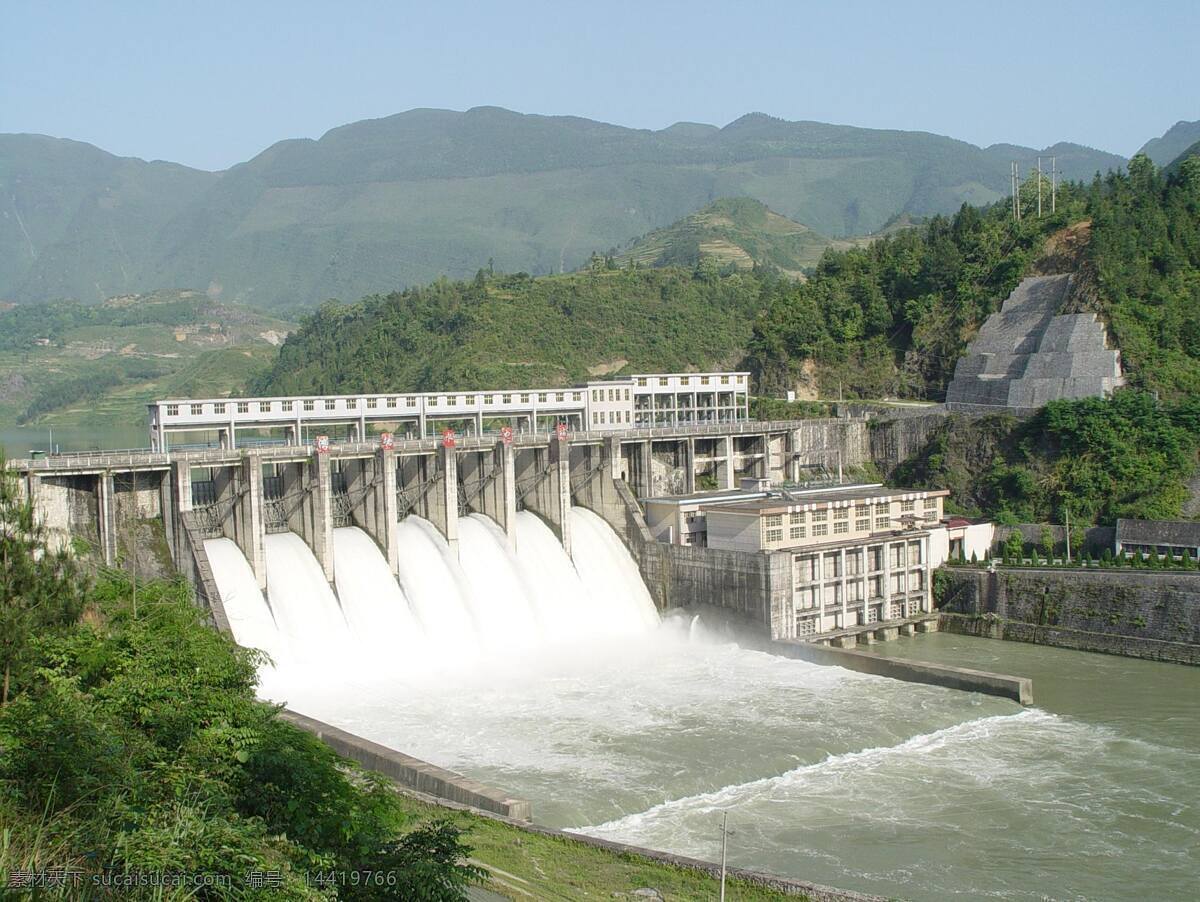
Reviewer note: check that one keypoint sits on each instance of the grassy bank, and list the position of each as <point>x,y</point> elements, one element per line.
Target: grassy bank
<point>525,865</point>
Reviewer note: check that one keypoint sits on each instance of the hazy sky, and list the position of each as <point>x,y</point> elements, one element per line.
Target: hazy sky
<point>212,83</point>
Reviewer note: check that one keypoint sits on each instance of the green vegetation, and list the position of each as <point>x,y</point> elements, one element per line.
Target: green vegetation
<point>737,231</point>
<point>67,364</point>
<point>1098,459</point>
<point>403,200</point>
<point>1145,248</point>
<point>518,331</point>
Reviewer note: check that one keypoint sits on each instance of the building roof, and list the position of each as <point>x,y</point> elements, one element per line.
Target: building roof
<point>718,496</point>
<point>786,500</point>
<point>1183,533</point>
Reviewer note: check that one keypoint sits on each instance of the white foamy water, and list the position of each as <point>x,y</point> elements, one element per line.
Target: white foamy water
<point>246,609</point>
<point>551,678</point>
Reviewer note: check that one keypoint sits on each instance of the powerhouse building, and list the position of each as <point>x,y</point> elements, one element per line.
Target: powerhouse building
<point>637,402</point>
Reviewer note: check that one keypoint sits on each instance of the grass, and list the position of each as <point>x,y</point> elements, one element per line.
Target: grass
<point>527,865</point>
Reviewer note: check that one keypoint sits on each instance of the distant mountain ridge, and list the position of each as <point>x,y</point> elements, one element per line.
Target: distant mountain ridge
<point>376,205</point>
<point>1169,146</point>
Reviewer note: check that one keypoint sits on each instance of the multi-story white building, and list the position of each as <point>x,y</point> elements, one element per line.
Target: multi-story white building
<point>859,554</point>
<point>639,401</point>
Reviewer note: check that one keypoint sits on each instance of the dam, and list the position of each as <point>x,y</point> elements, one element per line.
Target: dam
<point>488,604</point>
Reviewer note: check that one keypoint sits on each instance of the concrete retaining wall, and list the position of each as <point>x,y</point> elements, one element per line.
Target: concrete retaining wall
<point>412,772</point>
<point>1019,689</point>
<point>1141,614</point>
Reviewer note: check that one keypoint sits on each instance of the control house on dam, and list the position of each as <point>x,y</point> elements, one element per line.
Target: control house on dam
<point>637,402</point>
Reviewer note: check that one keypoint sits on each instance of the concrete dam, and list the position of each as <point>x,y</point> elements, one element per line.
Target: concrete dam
<point>489,608</point>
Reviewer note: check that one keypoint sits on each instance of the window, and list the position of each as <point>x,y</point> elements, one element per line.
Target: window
<point>930,504</point>
<point>774,535</point>
<point>507,399</point>
<point>627,416</point>
<point>243,406</point>
<point>797,532</point>
<point>806,626</point>
<point>741,379</point>
<point>452,400</point>
<point>773,520</point>
<point>820,530</point>
<point>875,587</point>
<point>541,397</point>
<point>412,402</point>
<point>604,417</point>
<point>704,380</point>
<point>610,394</point>
<point>724,380</point>
<point>559,397</point>
<point>264,406</point>
<point>577,396</point>
<point>626,394</point>
<point>797,517</point>
<point>595,418</point>
<point>470,399</point>
<point>861,510</point>
<point>882,522</point>
<point>309,404</point>
<point>641,380</point>
<point>820,516</point>
<point>594,393</point>
<point>488,399</point>
<point>853,563</point>
<point>525,398</point>
<point>916,582</point>
<point>327,404</point>
<point>906,506</point>
<point>841,527</point>
<point>372,403</point>
<point>862,525</point>
<point>172,410</point>
<point>219,408</point>
<point>663,380</point>
<point>875,557</point>
<point>197,409</point>
<point>842,513</point>
<point>393,402</point>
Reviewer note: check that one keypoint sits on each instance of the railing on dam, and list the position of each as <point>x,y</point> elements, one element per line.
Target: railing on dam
<point>142,459</point>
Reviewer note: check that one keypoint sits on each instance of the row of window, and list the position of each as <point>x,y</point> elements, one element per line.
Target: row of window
<point>663,381</point>
<point>614,394</point>
<point>603,417</point>
<point>309,404</point>
<point>808,568</point>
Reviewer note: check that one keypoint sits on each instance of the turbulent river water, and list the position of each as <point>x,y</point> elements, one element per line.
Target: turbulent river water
<point>624,728</point>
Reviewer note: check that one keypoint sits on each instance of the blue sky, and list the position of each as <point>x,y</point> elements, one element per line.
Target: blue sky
<point>212,83</point>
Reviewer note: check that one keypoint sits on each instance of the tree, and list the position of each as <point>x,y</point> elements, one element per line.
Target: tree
<point>1014,546</point>
<point>1046,541</point>
<point>40,587</point>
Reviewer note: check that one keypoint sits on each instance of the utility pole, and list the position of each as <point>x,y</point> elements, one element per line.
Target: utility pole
<point>724,844</point>
<point>1039,187</point>
<point>1068,511</point>
<point>1053,183</point>
<point>1012,181</point>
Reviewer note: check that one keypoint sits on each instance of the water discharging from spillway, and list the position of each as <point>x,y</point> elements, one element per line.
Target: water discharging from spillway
<point>550,676</point>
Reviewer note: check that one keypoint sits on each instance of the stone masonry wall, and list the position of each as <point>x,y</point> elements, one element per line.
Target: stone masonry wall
<point>1138,614</point>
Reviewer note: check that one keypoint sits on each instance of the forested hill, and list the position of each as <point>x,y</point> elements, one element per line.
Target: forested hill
<point>893,318</point>
<point>403,200</point>
<point>1172,143</point>
<point>514,330</point>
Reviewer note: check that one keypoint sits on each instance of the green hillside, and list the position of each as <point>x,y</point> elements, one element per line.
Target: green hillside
<point>405,199</point>
<point>519,331</point>
<point>64,364</point>
<point>738,231</point>
<point>1178,138</point>
<point>1176,164</point>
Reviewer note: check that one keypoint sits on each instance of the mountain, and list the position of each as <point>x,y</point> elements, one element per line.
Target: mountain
<point>733,230</point>
<point>1173,166</point>
<point>66,364</point>
<point>384,203</point>
<point>1178,138</point>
